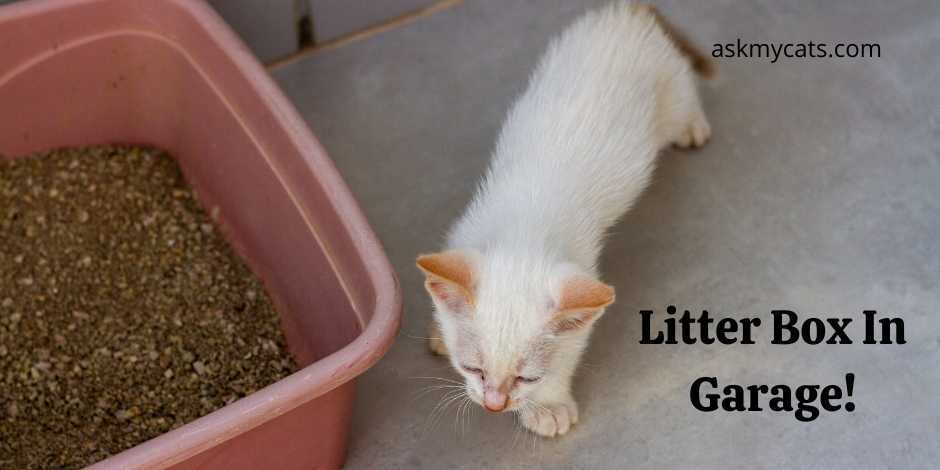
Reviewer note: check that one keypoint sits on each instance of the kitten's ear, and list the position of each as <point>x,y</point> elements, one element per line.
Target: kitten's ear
<point>450,278</point>
<point>579,301</point>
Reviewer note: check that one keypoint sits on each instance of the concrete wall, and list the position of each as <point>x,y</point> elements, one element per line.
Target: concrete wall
<point>270,27</point>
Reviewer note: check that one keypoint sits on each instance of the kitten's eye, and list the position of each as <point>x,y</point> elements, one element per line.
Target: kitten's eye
<point>473,370</point>
<point>528,380</point>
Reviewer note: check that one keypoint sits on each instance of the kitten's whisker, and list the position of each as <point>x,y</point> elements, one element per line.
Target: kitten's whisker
<point>535,437</point>
<point>441,402</point>
<point>456,414</point>
<point>462,410</point>
<point>445,402</point>
<point>537,405</point>
<point>532,438</point>
<point>459,415</point>
<point>531,406</point>
<point>433,388</point>
<point>442,379</point>
<point>447,405</point>
<point>437,368</point>
<point>467,409</point>
<point>519,427</point>
<point>419,338</point>
<point>431,420</point>
<point>441,385</point>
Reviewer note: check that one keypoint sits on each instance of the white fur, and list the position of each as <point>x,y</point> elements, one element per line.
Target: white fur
<point>575,152</point>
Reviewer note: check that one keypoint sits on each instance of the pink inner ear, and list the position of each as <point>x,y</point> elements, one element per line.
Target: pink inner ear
<point>453,266</point>
<point>449,294</point>
<point>581,300</point>
<point>573,320</point>
<point>449,278</point>
<point>582,292</point>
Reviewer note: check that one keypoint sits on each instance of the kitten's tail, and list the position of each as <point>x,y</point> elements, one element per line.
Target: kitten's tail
<point>700,62</point>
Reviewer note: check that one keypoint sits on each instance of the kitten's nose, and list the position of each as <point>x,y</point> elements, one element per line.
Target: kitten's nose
<point>494,400</point>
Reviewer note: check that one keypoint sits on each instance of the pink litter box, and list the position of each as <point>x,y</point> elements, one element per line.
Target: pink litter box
<point>170,73</point>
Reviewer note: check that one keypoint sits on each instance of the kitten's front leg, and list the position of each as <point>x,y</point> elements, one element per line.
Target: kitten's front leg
<point>552,413</point>
<point>550,419</point>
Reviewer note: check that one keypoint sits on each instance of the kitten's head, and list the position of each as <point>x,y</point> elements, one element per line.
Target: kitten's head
<point>514,326</point>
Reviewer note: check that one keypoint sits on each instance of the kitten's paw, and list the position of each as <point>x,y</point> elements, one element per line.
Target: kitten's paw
<point>696,135</point>
<point>550,420</point>
<point>436,341</point>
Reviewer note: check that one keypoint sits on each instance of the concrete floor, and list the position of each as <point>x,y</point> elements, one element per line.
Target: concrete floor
<point>819,193</point>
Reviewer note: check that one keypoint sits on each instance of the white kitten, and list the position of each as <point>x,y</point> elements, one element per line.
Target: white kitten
<point>516,294</point>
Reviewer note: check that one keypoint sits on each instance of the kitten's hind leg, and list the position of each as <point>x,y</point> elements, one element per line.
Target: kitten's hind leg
<point>695,133</point>
<point>682,119</point>
<point>680,111</point>
<point>436,340</point>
